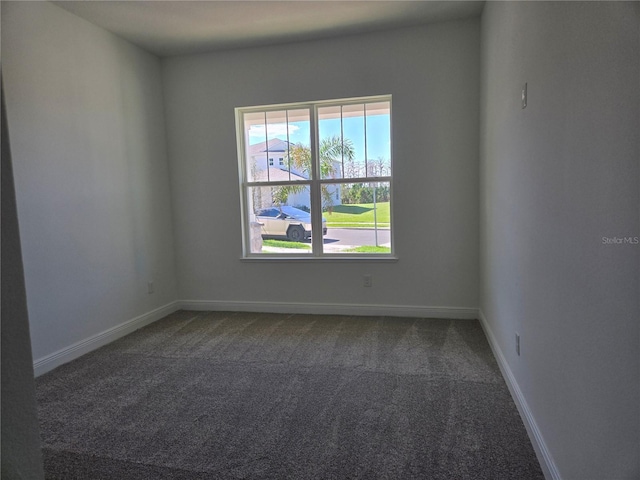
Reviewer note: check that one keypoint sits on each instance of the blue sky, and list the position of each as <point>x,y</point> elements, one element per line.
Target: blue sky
<point>378,128</point>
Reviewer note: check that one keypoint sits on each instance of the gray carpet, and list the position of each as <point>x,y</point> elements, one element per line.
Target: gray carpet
<point>202,395</point>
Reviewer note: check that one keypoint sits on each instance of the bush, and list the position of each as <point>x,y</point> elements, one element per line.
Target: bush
<point>359,193</point>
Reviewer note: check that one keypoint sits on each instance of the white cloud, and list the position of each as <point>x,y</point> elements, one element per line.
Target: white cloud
<point>274,130</point>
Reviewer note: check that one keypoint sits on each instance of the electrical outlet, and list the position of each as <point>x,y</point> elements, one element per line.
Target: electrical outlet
<point>518,344</point>
<point>149,287</point>
<point>367,280</point>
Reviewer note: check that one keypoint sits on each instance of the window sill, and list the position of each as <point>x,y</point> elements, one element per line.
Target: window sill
<point>323,259</point>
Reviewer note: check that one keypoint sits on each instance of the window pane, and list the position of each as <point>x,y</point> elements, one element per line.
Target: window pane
<point>271,136</point>
<point>355,153</point>
<point>255,145</point>
<point>355,140</point>
<point>360,220</point>
<point>280,219</point>
<point>330,141</point>
<point>297,161</point>
<point>378,120</point>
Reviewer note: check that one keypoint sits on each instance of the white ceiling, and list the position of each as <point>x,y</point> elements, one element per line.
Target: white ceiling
<point>175,27</point>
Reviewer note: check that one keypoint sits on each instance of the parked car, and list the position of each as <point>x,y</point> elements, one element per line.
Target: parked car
<point>289,222</point>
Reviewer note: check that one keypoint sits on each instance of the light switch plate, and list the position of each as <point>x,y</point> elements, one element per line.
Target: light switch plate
<point>524,96</point>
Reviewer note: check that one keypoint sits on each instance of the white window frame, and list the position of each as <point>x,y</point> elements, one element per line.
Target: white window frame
<point>317,241</point>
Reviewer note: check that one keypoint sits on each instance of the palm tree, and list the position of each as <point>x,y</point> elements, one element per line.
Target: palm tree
<point>332,150</point>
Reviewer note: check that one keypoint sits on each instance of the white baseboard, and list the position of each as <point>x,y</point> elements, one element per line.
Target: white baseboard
<point>51,361</point>
<point>55,359</point>
<point>331,309</point>
<point>549,467</point>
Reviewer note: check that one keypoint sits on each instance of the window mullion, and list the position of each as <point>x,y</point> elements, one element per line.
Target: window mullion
<point>288,144</point>
<point>364,116</point>
<point>244,191</point>
<point>266,144</point>
<point>342,138</point>
<point>329,181</point>
<point>316,193</point>
<point>278,183</point>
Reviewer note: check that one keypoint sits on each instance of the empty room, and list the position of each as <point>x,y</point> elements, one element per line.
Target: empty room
<point>320,239</point>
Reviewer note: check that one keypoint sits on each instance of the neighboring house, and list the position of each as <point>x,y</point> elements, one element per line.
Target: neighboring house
<point>268,162</point>
<point>272,153</point>
<point>271,157</point>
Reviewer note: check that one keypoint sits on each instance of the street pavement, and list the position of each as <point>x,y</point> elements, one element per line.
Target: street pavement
<point>357,236</point>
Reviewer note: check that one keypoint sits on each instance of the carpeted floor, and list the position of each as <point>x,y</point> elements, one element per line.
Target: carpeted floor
<point>202,395</point>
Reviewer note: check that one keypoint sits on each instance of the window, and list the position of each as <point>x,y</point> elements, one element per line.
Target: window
<point>330,194</point>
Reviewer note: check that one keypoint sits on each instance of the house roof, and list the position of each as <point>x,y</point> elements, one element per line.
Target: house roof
<point>274,145</point>
<point>276,175</point>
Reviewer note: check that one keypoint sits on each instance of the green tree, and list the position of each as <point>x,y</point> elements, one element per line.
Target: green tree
<point>360,193</point>
<point>332,150</point>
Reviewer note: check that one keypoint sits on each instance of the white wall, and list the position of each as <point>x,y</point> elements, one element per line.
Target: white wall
<point>556,177</point>
<point>432,73</point>
<point>88,139</point>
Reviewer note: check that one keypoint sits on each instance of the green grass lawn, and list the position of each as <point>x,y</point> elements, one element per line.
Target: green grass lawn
<point>358,216</point>
<point>285,244</point>
<point>369,249</point>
